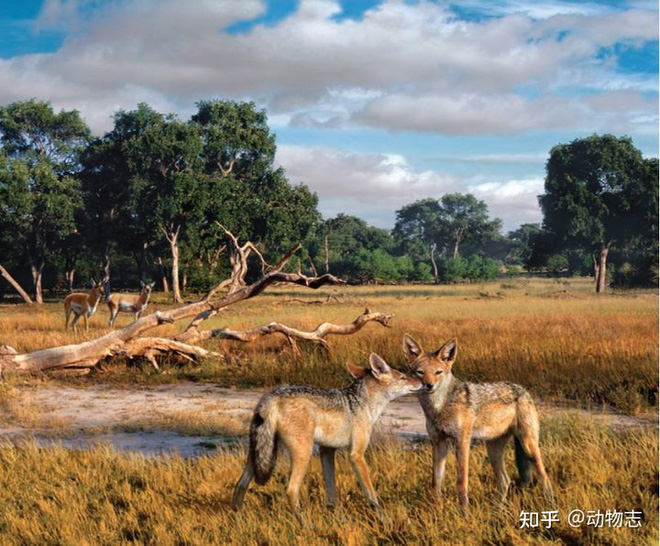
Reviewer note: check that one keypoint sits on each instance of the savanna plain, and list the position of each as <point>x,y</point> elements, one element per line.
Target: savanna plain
<point>590,355</point>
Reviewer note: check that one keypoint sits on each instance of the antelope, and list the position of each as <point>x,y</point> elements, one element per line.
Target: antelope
<point>82,305</point>
<point>130,303</point>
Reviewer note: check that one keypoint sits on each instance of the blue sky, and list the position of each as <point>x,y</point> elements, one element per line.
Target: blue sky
<point>375,103</point>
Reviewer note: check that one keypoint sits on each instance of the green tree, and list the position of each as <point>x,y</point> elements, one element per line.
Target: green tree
<point>39,191</point>
<point>417,231</point>
<point>522,241</point>
<point>464,221</point>
<point>346,244</point>
<point>600,192</point>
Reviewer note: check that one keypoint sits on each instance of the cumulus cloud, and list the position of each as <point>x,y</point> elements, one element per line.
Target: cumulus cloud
<point>465,76</point>
<point>515,201</point>
<point>374,186</point>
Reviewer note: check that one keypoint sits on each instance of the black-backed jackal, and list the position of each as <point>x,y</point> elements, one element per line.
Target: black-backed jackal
<point>458,411</point>
<point>298,417</point>
<point>82,305</point>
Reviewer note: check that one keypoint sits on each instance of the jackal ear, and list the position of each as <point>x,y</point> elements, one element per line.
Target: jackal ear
<point>411,348</point>
<point>447,353</point>
<point>356,371</point>
<point>378,365</point>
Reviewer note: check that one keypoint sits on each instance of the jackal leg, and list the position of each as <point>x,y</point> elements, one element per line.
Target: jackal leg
<point>242,484</point>
<point>301,453</point>
<point>328,464</point>
<point>440,450</point>
<point>496,455</point>
<point>463,462</point>
<point>531,445</point>
<point>361,470</point>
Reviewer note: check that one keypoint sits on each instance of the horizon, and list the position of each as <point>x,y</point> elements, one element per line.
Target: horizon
<point>375,104</point>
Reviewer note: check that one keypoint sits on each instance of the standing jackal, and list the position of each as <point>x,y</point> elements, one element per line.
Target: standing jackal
<point>460,411</point>
<point>297,417</point>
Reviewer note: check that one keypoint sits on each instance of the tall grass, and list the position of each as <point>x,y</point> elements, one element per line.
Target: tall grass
<point>557,339</point>
<point>56,496</point>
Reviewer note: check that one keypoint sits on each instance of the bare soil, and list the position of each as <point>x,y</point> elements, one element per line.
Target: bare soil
<point>149,420</point>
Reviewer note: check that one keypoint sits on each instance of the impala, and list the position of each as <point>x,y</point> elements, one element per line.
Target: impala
<point>129,303</point>
<point>82,305</point>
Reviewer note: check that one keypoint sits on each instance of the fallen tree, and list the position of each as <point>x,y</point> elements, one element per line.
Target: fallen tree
<point>128,341</point>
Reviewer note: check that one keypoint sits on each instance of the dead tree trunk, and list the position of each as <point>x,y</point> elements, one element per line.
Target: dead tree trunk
<point>173,238</point>
<point>436,274</point>
<point>16,286</point>
<point>127,341</point>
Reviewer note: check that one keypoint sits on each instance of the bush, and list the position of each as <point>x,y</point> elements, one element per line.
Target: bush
<point>556,263</point>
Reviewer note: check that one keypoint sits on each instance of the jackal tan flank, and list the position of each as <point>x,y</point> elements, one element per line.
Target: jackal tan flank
<point>298,417</point>
<point>458,412</point>
<point>82,305</point>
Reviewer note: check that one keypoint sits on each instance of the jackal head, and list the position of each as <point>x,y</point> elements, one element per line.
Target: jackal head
<point>393,382</point>
<point>431,368</point>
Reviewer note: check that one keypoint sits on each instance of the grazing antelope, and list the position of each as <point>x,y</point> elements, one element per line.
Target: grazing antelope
<point>459,412</point>
<point>82,305</point>
<point>129,303</point>
<point>298,417</point>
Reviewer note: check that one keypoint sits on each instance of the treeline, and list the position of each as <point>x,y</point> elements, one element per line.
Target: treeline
<point>150,200</point>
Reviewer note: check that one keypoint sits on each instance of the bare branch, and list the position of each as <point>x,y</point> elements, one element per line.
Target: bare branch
<point>292,334</point>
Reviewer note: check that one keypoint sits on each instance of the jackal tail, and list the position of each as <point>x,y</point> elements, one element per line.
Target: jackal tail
<point>526,440</point>
<point>263,447</point>
<point>523,462</point>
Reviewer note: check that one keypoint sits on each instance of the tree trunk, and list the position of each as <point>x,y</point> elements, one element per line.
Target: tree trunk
<point>163,276</point>
<point>37,273</point>
<point>173,238</point>
<point>327,253</point>
<point>69,275</point>
<point>436,275</point>
<point>458,235</point>
<point>16,286</point>
<point>143,263</point>
<point>601,269</point>
<point>106,262</point>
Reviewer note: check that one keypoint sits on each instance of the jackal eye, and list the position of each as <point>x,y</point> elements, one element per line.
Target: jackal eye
<point>438,372</point>
<point>419,373</point>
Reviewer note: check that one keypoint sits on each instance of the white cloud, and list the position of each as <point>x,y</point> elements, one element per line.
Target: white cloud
<point>515,201</point>
<point>463,76</point>
<point>374,186</point>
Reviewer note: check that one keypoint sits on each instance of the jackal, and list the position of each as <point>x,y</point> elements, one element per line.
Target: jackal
<point>297,417</point>
<point>459,411</point>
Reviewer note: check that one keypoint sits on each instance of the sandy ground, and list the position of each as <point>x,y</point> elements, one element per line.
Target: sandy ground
<point>149,420</point>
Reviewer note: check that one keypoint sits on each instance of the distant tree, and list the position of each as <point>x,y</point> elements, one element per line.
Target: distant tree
<point>522,240</point>
<point>464,220</point>
<point>348,246</point>
<point>39,191</point>
<point>417,231</point>
<point>600,192</point>
<point>431,227</point>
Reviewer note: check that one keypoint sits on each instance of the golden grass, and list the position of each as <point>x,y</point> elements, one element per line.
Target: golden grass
<point>556,338</point>
<point>57,496</point>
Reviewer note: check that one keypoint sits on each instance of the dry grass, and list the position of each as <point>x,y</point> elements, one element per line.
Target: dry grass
<point>556,338</point>
<point>56,496</point>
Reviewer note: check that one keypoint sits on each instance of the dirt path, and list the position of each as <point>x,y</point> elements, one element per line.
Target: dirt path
<point>188,418</point>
